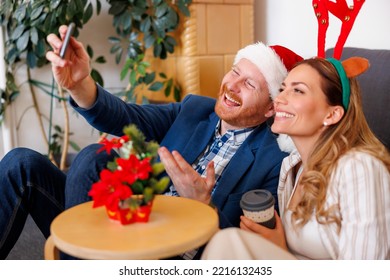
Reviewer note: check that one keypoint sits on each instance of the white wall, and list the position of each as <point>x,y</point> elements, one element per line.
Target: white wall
<point>286,22</point>
<point>294,25</point>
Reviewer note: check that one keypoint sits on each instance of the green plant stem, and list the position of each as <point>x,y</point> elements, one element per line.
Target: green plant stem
<point>65,145</point>
<point>38,112</point>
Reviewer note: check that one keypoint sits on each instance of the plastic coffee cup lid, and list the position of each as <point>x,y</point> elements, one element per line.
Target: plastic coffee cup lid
<point>257,200</point>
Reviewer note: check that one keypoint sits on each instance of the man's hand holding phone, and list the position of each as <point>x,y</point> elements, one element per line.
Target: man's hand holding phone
<point>71,66</point>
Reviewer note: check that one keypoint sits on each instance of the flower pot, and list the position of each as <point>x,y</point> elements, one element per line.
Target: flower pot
<point>128,215</point>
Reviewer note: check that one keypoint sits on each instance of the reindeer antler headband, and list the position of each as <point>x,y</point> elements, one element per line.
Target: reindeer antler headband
<point>353,66</point>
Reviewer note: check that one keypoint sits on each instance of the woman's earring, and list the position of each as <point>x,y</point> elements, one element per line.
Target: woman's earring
<point>325,124</point>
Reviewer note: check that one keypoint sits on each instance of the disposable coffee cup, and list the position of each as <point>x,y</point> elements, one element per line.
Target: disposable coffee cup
<point>258,205</point>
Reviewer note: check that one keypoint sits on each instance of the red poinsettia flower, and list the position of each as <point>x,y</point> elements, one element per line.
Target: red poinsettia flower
<point>109,190</point>
<point>108,145</point>
<point>132,169</point>
<point>131,180</point>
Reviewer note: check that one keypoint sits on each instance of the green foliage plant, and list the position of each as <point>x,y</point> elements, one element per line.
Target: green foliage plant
<point>143,25</point>
<point>26,25</point>
<point>140,25</point>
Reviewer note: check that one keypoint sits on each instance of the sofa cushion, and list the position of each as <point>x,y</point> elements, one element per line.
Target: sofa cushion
<point>375,85</point>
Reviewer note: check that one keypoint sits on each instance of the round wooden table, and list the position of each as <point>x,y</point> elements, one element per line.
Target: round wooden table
<point>176,225</point>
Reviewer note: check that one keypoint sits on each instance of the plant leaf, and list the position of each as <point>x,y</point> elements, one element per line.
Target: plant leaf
<point>88,13</point>
<point>97,77</point>
<point>31,60</point>
<point>149,77</point>
<point>176,93</point>
<point>168,87</point>
<point>36,12</point>
<point>90,51</point>
<point>137,187</point>
<point>74,146</point>
<point>34,35</point>
<point>133,77</point>
<point>156,86</point>
<point>18,31</point>
<point>23,40</point>
<point>148,194</point>
<point>100,59</point>
<point>158,168</point>
<point>161,185</point>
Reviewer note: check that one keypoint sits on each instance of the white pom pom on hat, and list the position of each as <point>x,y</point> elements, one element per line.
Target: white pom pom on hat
<point>285,143</point>
<point>273,62</point>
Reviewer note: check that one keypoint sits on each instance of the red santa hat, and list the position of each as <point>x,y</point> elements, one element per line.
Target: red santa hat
<point>273,61</point>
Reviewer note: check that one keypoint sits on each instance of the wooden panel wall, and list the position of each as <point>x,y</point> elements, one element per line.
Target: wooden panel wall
<point>208,42</point>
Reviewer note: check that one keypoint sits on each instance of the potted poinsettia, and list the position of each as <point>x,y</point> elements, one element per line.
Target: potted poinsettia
<point>129,183</point>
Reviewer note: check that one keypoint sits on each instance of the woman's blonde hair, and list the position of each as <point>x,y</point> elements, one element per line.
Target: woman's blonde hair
<point>351,132</point>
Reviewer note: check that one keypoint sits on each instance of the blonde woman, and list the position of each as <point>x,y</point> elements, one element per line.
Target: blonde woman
<point>334,190</point>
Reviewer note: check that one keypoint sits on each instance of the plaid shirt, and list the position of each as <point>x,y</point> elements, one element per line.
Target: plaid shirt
<point>221,150</point>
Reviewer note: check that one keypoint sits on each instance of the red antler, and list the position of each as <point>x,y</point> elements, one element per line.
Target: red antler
<point>346,14</point>
<point>321,12</point>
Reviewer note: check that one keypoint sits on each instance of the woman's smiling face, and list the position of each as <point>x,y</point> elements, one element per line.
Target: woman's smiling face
<point>301,107</point>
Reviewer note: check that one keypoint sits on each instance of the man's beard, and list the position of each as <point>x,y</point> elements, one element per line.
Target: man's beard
<point>237,116</point>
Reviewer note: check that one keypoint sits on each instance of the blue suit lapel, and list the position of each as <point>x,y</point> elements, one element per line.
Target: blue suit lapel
<point>239,165</point>
<point>200,138</point>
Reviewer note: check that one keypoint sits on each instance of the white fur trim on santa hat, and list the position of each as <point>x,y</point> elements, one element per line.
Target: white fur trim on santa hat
<point>269,63</point>
<point>285,143</point>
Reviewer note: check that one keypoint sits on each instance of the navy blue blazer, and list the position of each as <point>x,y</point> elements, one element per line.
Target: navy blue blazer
<point>188,127</point>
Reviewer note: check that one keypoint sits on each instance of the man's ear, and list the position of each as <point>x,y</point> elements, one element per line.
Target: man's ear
<point>270,111</point>
<point>335,115</point>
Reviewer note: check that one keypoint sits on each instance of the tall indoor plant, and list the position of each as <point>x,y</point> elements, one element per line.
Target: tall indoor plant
<point>27,24</point>
<point>140,25</point>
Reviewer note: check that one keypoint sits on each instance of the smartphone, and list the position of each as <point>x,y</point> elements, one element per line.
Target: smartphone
<point>65,44</point>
